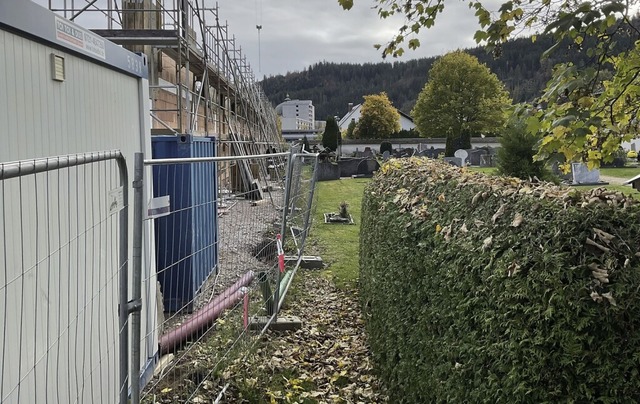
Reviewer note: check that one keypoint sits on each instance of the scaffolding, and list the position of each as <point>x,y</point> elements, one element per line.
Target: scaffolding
<point>200,82</point>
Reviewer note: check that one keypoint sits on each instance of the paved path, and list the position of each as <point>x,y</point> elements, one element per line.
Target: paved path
<point>612,180</point>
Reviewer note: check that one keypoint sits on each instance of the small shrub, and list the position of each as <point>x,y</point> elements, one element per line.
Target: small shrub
<point>515,157</point>
<point>453,143</point>
<point>386,146</point>
<point>618,160</point>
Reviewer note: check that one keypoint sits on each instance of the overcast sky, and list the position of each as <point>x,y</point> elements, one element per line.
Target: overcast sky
<point>299,33</point>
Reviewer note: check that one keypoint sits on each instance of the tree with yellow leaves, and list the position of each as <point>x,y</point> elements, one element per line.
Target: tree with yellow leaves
<point>378,118</point>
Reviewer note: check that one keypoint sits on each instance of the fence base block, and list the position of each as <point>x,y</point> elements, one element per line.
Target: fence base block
<point>307,262</point>
<point>283,323</point>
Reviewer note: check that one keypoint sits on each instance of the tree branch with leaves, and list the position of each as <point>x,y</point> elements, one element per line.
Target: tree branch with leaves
<point>586,112</point>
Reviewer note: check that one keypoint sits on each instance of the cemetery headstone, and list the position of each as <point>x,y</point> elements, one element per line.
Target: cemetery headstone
<point>367,152</point>
<point>582,175</point>
<point>475,155</point>
<point>385,155</point>
<point>486,160</point>
<point>462,155</point>
<point>456,161</point>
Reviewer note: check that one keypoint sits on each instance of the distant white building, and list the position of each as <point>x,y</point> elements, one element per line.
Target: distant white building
<point>406,123</point>
<point>296,115</point>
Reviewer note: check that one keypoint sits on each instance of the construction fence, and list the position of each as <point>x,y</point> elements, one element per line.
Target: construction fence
<point>65,257</point>
<point>92,316</point>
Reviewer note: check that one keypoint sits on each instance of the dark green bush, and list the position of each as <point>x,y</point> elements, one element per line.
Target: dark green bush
<point>618,159</point>
<point>455,142</point>
<point>515,156</point>
<point>467,303</point>
<point>331,134</point>
<point>405,134</point>
<point>386,146</point>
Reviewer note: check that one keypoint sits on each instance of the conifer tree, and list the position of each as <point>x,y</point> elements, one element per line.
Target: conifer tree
<point>330,134</point>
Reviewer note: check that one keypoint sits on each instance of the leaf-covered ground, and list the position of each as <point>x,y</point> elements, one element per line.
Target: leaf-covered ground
<point>326,361</point>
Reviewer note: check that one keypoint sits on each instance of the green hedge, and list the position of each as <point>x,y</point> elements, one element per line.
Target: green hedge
<point>485,289</point>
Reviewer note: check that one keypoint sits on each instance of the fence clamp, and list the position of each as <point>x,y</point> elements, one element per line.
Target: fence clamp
<point>134,306</point>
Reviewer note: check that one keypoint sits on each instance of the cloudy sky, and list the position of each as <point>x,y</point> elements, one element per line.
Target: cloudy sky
<point>299,33</point>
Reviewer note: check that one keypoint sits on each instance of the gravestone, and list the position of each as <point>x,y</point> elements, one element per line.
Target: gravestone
<point>455,161</point>
<point>475,155</point>
<point>407,152</point>
<point>486,160</point>
<point>432,153</point>
<point>349,166</point>
<point>462,155</point>
<point>367,167</point>
<point>385,155</point>
<point>582,175</point>
<point>372,165</point>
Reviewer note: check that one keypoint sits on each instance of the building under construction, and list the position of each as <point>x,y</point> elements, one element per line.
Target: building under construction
<point>200,83</point>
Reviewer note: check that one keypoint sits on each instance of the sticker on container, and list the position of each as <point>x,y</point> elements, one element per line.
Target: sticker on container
<point>71,34</point>
<point>116,200</point>
<point>158,207</point>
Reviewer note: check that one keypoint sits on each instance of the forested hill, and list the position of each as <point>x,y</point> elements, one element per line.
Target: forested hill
<point>332,86</point>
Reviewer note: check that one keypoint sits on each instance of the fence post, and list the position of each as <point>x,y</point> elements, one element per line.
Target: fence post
<point>287,193</point>
<point>135,305</point>
<point>123,284</point>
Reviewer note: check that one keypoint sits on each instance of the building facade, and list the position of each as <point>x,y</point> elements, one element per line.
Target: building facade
<point>296,115</point>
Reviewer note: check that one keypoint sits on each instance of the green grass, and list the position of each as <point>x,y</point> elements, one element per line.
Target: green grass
<point>624,172</point>
<point>338,244</point>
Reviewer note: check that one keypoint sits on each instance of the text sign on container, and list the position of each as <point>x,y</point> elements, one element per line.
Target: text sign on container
<point>79,38</point>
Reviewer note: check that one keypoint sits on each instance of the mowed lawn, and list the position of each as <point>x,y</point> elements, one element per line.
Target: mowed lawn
<point>338,244</point>
<point>623,172</point>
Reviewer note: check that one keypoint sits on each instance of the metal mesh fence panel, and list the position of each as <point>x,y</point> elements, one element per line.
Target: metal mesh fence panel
<point>64,253</point>
<point>300,199</point>
<point>216,267</point>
